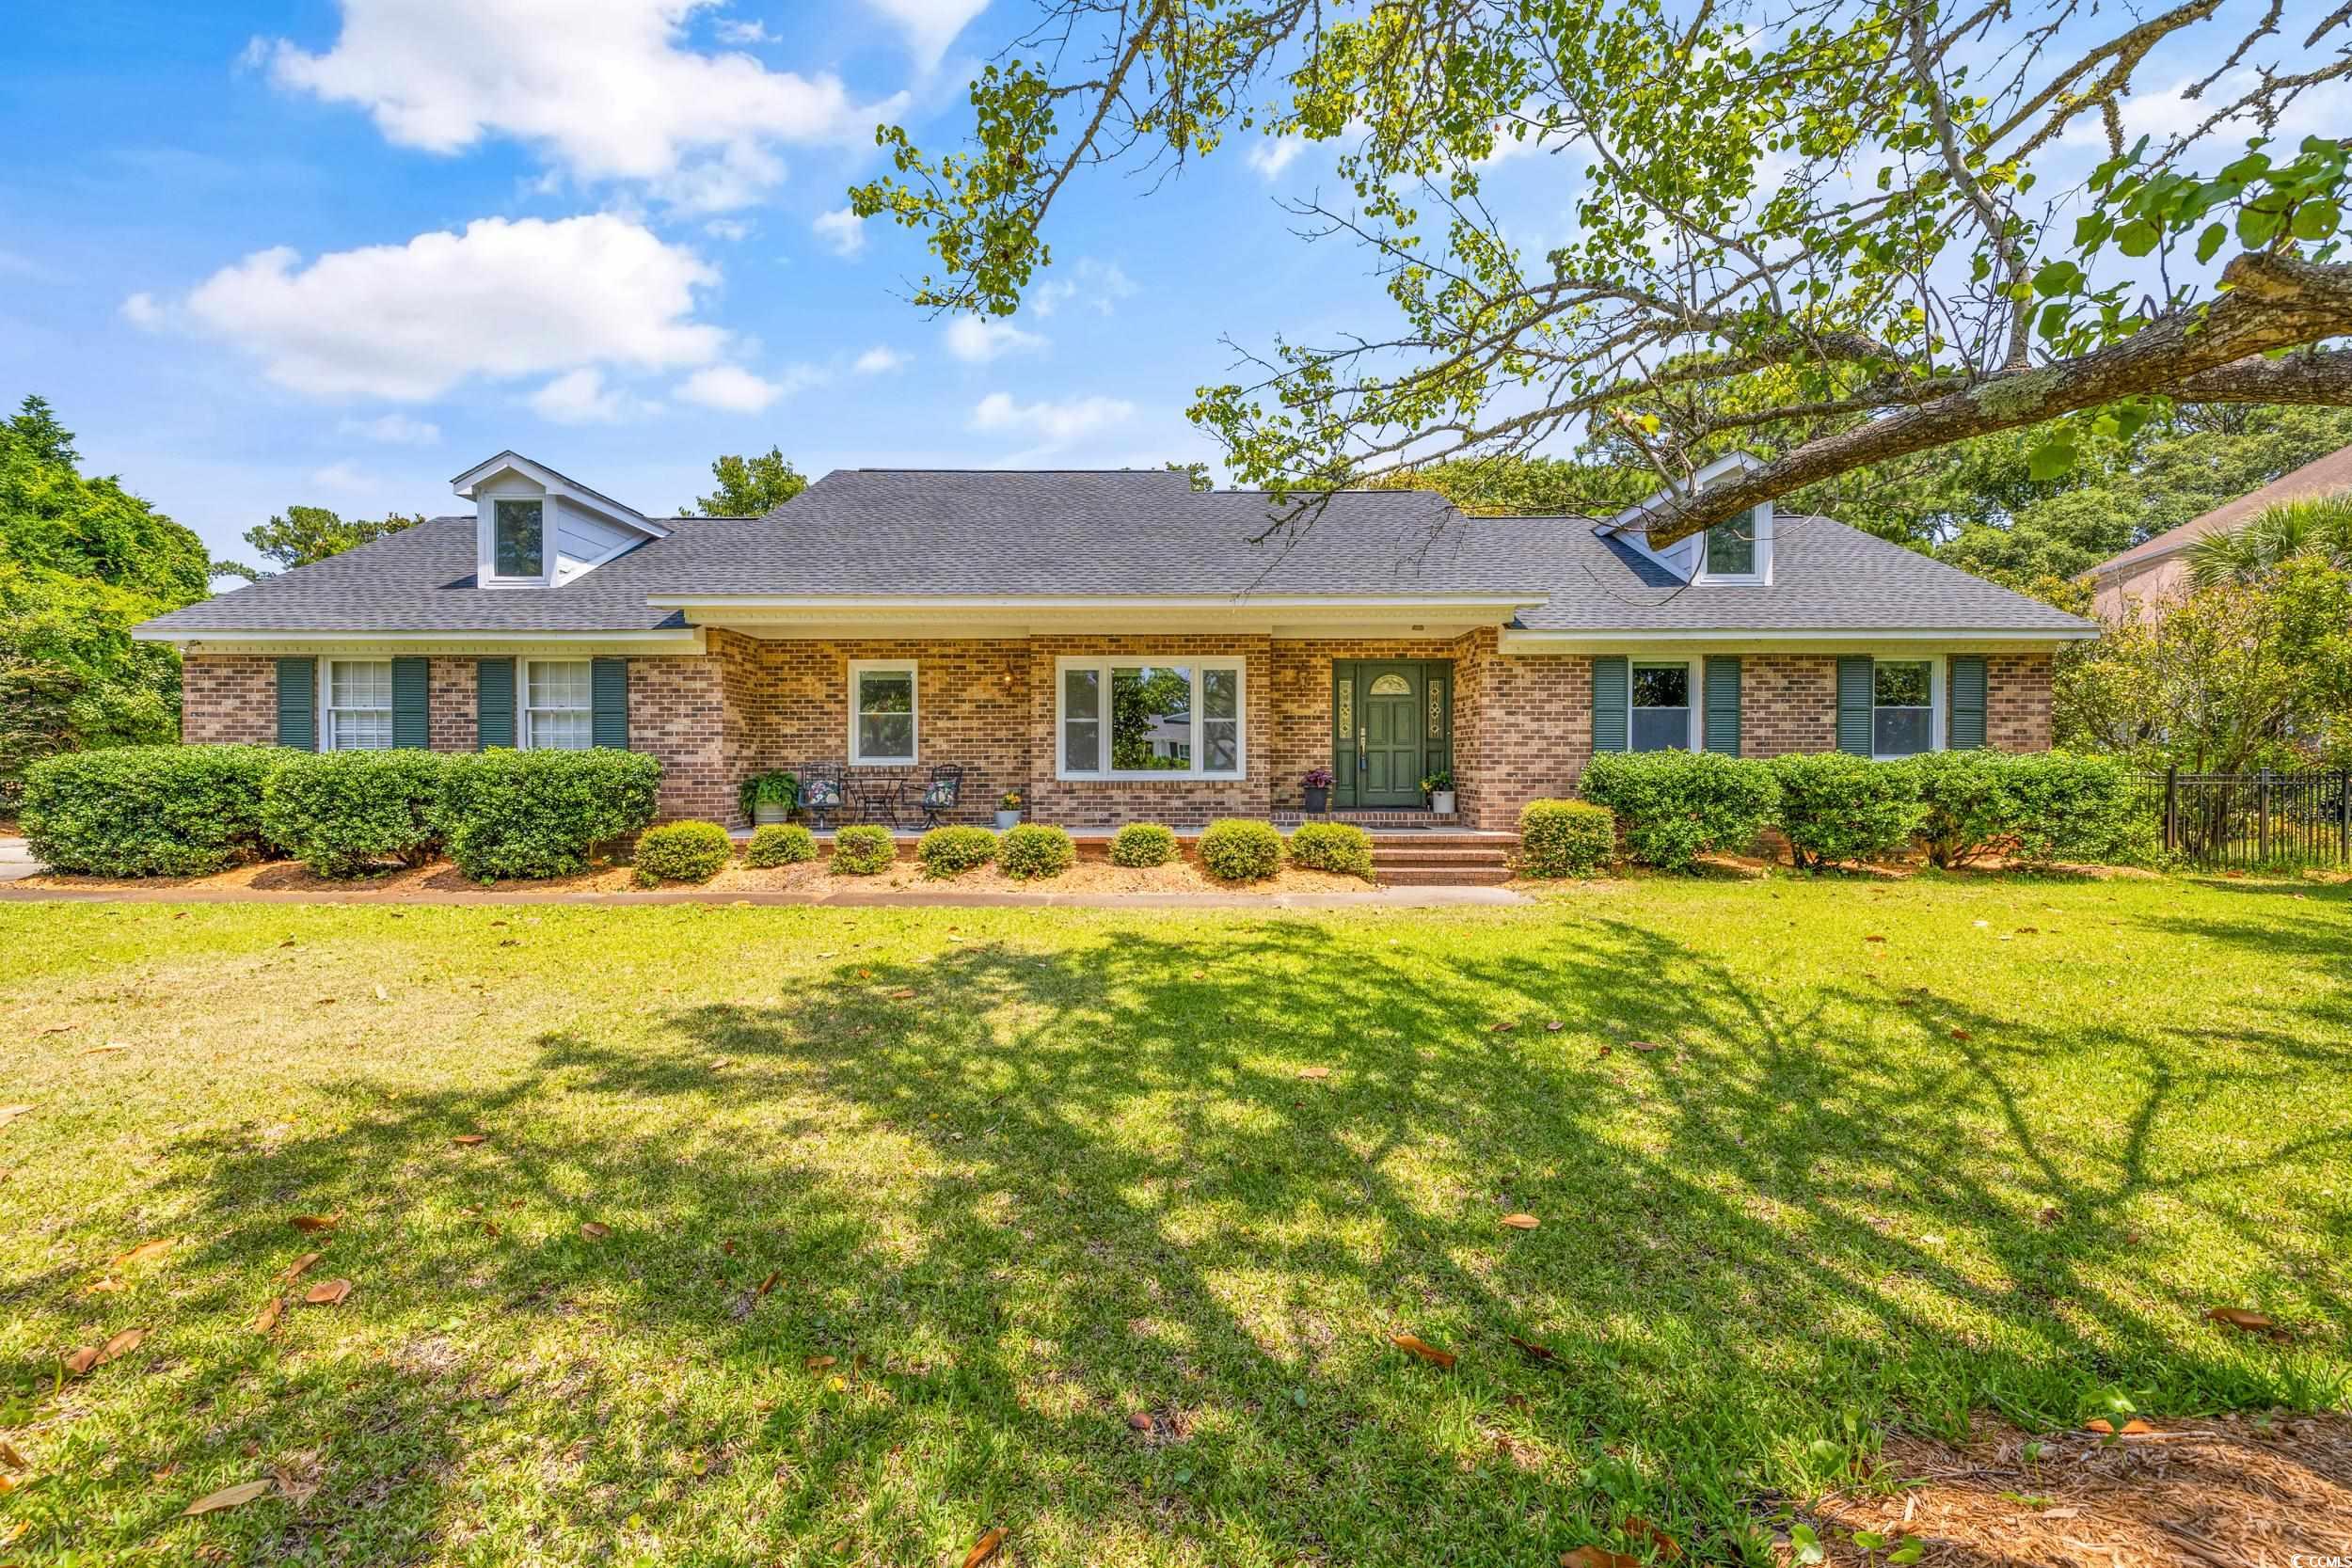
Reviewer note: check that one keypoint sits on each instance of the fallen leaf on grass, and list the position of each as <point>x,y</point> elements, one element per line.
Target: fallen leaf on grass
<point>9,1113</point>
<point>1645,1045</point>
<point>328,1293</point>
<point>1597,1557</point>
<point>146,1250</point>
<point>1140,1421</point>
<point>1642,1530</point>
<point>984,1549</point>
<point>91,1357</point>
<point>106,1050</point>
<point>819,1363</point>
<point>767,1284</point>
<point>1534,1351</point>
<point>1504,1028</point>
<point>1421,1348</point>
<point>1874,939</point>
<point>299,1265</point>
<point>1314,1073</point>
<point>596,1230</point>
<point>2105,1428</point>
<point>9,1457</point>
<point>2251,1322</point>
<point>1520,1222</point>
<point>1962,1035</point>
<point>902,994</point>
<point>229,1496</point>
<point>467,1140</point>
<point>316,1222</point>
<point>1555,1026</point>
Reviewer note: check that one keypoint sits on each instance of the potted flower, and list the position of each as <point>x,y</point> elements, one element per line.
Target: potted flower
<point>1009,806</point>
<point>1439,787</point>
<point>1316,781</point>
<point>769,797</point>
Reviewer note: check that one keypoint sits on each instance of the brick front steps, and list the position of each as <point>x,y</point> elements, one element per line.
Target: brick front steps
<point>1432,856</point>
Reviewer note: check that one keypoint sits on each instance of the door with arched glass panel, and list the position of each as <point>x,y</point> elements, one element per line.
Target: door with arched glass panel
<point>1389,730</point>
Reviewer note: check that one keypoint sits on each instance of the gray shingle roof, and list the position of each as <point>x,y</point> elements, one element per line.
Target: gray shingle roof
<point>1026,534</point>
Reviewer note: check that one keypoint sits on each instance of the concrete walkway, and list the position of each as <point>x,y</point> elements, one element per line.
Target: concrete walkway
<point>16,862</point>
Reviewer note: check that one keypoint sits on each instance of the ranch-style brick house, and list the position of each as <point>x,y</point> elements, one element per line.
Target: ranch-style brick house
<point>1116,645</point>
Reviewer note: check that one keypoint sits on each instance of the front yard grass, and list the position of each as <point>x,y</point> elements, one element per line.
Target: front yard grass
<point>916,1223</point>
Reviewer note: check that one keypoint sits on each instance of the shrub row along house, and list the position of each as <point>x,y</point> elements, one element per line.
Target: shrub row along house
<point>1116,645</point>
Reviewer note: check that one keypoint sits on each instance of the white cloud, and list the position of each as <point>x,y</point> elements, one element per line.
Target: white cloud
<point>733,390</point>
<point>843,230</point>
<point>879,360</point>
<point>606,91</point>
<point>1097,284</point>
<point>396,430</point>
<point>976,340</point>
<point>505,298</point>
<point>1273,154</point>
<point>1053,424</point>
<point>141,310</point>
<point>2163,113</point>
<point>730,228</point>
<point>742,35</point>
<point>580,397</point>
<point>931,25</point>
<point>344,477</point>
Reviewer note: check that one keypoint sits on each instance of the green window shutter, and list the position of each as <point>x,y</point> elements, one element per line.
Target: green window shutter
<point>1964,702</point>
<point>609,685</point>
<point>494,703</point>
<point>298,704</point>
<point>1857,692</point>
<point>1609,702</point>
<point>408,704</point>
<point>1721,719</point>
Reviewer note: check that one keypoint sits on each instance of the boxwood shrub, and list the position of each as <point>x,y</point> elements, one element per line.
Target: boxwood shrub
<point>1239,851</point>
<point>1140,843</point>
<point>947,851</point>
<point>1675,806</point>
<point>149,811</point>
<point>540,813</point>
<point>780,843</point>
<point>1340,846</point>
<point>343,813</point>
<point>1835,806</point>
<point>864,850</point>
<point>682,852</point>
<point>1565,838</point>
<point>2069,807</point>
<point>1033,849</point>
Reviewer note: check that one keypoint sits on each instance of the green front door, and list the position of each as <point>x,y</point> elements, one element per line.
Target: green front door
<point>1390,714</point>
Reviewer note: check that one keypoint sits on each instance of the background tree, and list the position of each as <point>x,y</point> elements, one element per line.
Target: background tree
<point>303,534</point>
<point>1197,473</point>
<point>1833,209</point>
<point>2318,527</point>
<point>749,486</point>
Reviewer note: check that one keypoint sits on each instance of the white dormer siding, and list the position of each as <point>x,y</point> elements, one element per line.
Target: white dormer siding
<point>577,529</point>
<point>1712,555</point>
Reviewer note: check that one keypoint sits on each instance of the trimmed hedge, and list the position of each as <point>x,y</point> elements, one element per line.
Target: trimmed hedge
<point>1565,838</point>
<point>1340,846</point>
<point>1836,807</point>
<point>1238,850</point>
<point>945,851</point>
<point>149,811</point>
<point>344,812</point>
<point>540,813</point>
<point>1142,844</point>
<point>1034,849</point>
<point>779,843</point>
<point>864,850</point>
<point>682,852</point>
<point>2068,807</point>
<point>1675,806</point>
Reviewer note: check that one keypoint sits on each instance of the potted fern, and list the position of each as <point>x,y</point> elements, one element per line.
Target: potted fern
<point>769,797</point>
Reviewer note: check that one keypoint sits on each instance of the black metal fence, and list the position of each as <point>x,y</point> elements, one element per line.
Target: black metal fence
<point>2253,820</point>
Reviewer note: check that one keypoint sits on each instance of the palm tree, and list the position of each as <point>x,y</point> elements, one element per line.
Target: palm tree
<point>2319,525</point>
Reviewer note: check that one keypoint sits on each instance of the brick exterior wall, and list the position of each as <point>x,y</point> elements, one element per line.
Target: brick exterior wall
<point>1530,726</point>
<point>450,722</point>
<point>1788,702</point>
<point>228,699</point>
<point>677,712</point>
<point>2017,702</point>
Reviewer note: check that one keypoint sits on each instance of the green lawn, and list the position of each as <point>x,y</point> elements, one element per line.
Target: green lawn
<point>1026,1174</point>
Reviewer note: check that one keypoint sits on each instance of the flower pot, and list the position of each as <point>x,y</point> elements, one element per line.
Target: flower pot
<point>1006,819</point>
<point>767,812</point>
<point>1441,802</point>
<point>1318,799</point>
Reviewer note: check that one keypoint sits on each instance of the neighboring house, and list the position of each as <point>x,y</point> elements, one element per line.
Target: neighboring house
<point>2156,572</point>
<point>899,619</point>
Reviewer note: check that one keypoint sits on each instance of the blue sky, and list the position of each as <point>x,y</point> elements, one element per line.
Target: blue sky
<point>334,251</point>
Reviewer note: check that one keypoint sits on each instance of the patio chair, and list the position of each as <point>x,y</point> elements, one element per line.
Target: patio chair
<point>941,795</point>
<point>820,792</point>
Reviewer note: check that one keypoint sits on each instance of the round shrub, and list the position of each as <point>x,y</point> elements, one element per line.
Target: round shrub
<point>682,852</point>
<point>343,813</point>
<point>1340,846</point>
<point>864,850</point>
<point>780,843</point>
<point>539,813</point>
<point>1675,806</point>
<point>1237,851</point>
<point>945,851</point>
<point>149,811</point>
<point>1835,806</point>
<point>1565,838</point>
<point>1034,849</point>
<point>1140,843</point>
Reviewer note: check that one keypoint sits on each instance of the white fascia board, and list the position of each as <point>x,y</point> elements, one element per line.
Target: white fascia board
<point>689,640</point>
<point>556,485</point>
<point>1516,640</point>
<point>1016,604</point>
<point>1746,462</point>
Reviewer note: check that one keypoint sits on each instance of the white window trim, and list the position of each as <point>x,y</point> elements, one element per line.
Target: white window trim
<point>1936,701</point>
<point>912,670</point>
<point>1106,663</point>
<point>327,697</point>
<point>1762,522</point>
<point>1693,671</point>
<point>523,738</point>
<point>488,541</point>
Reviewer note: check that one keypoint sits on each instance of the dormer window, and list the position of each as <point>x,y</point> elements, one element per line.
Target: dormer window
<point>1731,548</point>
<point>519,539</point>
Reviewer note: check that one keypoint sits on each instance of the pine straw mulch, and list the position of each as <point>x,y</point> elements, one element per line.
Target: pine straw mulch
<point>2217,1492</point>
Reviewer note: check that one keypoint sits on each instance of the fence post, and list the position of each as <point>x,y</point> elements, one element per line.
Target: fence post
<point>2343,817</point>
<point>2262,811</point>
<point>2171,808</point>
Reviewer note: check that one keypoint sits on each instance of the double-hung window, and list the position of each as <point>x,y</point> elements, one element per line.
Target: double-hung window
<point>1661,709</point>
<point>1903,708</point>
<point>1149,719</point>
<point>882,712</point>
<point>358,705</point>
<point>559,705</point>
